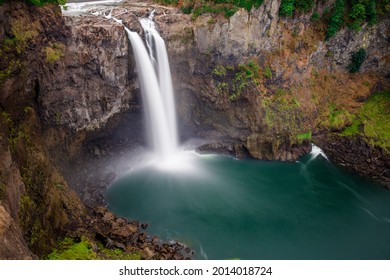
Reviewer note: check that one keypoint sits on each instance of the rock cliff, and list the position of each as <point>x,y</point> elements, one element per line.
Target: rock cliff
<point>253,85</point>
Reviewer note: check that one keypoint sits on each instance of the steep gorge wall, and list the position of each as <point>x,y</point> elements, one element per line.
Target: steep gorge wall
<point>36,204</point>
<point>299,76</point>
<point>298,87</point>
<point>60,78</point>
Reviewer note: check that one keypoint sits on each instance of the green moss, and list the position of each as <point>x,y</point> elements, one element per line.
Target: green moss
<point>219,71</point>
<point>353,129</point>
<point>338,118</point>
<point>7,72</point>
<point>284,115</point>
<point>304,136</point>
<point>54,53</point>
<point>116,254</point>
<point>82,249</point>
<point>233,80</point>
<point>267,72</point>
<point>372,121</point>
<point>22,34</point>
<point>34,231</point>
<point>71,250</point>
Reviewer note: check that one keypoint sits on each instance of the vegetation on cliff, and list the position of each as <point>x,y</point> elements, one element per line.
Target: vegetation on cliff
<point>38,2</point>
<point>84,248</point>
<point>351,13</point>
<point>372,121</point>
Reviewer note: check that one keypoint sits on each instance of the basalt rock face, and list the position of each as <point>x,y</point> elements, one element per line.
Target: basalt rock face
<point>265,115</point>
<point>196,49</point>
<point>13,245</point>
<point>243,35</point>
<point>357,155</point>
<point>92,80</point>
<point>36,205</point>
<point>303,79</point>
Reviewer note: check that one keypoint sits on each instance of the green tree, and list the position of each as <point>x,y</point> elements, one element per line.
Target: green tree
<point>357,60</point>
<point>286,8</point>
<point>336,19</point>
<point>371,13</point>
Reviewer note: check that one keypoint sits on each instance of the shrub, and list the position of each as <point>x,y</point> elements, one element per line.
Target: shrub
<point>304,5</point>
<point>371,13</point>
<point>43,2</point>
<point>336,19</point>
<point>357,60</point>
<point>247,4</point>
<point>267,72</point>
<point>357,15</point>
<point>286,8</point>
<point>315,17</point>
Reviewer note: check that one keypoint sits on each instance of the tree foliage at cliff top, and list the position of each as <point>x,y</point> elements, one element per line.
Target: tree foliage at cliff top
<point>226,7</point>
<point>36,2</point>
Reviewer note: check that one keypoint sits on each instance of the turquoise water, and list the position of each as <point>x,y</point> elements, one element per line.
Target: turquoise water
<point>226,208</point>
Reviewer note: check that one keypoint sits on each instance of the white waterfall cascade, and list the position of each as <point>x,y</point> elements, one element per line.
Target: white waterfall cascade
<point>316,151</point>
<point>164,142</point>
<point>159,58</point>
<point>156,86</point>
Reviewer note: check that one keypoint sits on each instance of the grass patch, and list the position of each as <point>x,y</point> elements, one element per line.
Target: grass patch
<point>71,250</point>
<point>233,80</point>
<point>284,116</point>
<point>304,136</point>
<point>267,72</point>
<point>82,249</point>
<point>373,121</point>
<point>54,52</point>
<point>116,254</point>
<point>338,118</point>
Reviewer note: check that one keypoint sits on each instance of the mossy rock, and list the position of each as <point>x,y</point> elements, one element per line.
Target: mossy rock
<point>372,122</point>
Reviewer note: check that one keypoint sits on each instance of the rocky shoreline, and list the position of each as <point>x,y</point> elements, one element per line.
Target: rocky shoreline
<point>355,154</point>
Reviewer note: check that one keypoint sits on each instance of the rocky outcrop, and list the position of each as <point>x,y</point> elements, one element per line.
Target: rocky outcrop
<point>243,35</point>
<point>13,245</point>
<point>91,82</point>
<point>336,53</point>
<point>356,154</point>
<point>11,239</point>
<point>293,51</point>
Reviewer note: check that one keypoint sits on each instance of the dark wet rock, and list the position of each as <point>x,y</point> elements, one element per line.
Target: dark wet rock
<point>355,153</point>
<point>144,226</point>
<point>125,231</point>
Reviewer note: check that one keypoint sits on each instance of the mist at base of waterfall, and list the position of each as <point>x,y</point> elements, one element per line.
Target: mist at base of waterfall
<point>226,208</point>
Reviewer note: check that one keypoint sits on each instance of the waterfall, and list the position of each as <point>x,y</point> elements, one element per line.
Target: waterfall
<point>155,82</point>
<point>163,139</point>
<point>161,63</point>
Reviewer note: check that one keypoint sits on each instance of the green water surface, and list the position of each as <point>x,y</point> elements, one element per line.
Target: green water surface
<point>227,208</point>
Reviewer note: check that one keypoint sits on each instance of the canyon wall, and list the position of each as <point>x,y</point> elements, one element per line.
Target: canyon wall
<point>252,85</point>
